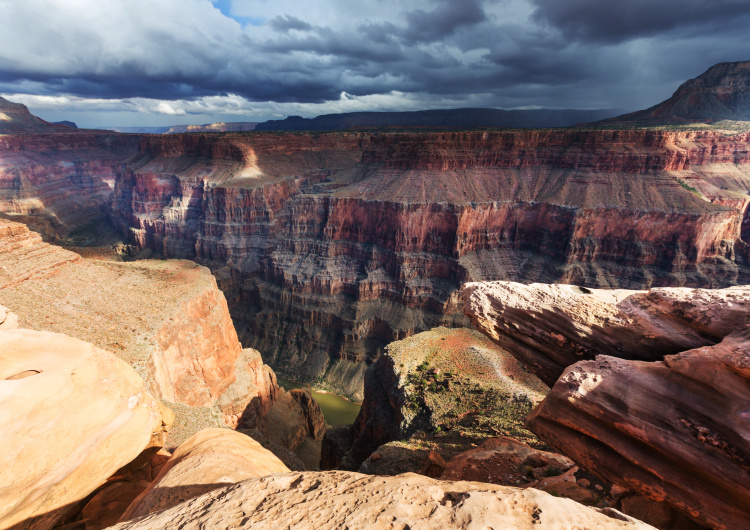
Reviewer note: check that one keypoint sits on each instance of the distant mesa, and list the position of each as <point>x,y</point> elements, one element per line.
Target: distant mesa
<point>450,118</point>
<point>66,123</point>
<point>15,118</point>
<point>235,126</point>
<point>721,93</point>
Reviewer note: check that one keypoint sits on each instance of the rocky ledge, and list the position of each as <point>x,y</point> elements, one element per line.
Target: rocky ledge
<point>550,327</point>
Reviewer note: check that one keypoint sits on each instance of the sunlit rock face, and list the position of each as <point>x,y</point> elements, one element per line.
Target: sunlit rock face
<point>166,318</point>
<point>329,246</point>
<point>71,415</point>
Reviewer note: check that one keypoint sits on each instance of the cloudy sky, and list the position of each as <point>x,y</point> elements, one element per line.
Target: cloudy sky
<point>164,62</point>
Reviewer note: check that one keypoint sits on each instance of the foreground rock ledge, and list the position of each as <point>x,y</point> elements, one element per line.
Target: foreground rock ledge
<point>338,499</point>
<point>677,430</point>
<point>550,327</point>
<point>70,416</point>
<point>209,459</point>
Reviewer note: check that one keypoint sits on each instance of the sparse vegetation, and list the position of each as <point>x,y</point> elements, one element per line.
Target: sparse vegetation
<point>691,189</point>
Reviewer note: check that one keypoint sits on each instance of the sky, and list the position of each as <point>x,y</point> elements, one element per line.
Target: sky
<point>167,62</point>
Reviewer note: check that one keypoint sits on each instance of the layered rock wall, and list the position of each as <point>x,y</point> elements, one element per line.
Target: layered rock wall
<point>330,246</point>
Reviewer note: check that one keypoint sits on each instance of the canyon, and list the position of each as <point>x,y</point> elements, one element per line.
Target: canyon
<point>328,246</point>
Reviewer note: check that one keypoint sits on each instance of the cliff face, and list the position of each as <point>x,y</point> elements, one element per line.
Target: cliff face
<point>167,319</point>
<point>330,246</point>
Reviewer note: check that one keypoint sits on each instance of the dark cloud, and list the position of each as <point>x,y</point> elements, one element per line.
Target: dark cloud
<point>443,21</point>
<point>615,21</point>
<point>288,22</point>
<point>504,53</point>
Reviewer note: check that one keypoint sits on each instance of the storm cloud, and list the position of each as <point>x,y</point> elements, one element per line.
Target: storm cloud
<point>252,59</point>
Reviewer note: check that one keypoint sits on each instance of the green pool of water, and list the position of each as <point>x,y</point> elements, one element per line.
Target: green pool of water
<point>336,409</point>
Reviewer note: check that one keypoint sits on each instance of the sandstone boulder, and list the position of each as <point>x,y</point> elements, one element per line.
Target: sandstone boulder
<point>70,416</point>
<point>337,499</point>
<point>677,430</point>
<point>550,327</point>
<point>210,459</point>
<point>505,461</point>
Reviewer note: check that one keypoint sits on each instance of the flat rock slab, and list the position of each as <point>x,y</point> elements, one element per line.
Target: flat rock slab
<point>338,499</point>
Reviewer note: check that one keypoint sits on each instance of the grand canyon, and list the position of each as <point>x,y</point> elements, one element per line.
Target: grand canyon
<point>544,326</point>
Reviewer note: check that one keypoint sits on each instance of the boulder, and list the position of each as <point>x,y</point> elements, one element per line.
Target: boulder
<point>339,499</point>
<point>208,460</point>
<point>505,461</point>
<point>70,416</point>
<point>677,430</point>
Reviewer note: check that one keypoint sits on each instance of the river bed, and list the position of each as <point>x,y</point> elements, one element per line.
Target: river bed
<point>336,409</point>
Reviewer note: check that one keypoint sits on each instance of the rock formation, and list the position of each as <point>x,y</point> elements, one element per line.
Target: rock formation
<point>550,327</point>
<point>721,93</point>
<point>71,415</point>
<point>676,430</point>
<point>210,459</point>
<point>332,500</point>
<point>57,183</point>
<point>167,319</point>
<point>292,429</point>
<point>452,386</point>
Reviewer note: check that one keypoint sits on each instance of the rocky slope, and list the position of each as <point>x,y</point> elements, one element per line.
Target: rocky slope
<point>167,319</point>
<point>71,415</point>
<point>331,500</point>
<point>674,430</point>
<point>330,246</point>
<point>653,385</point>
<point>550,327</point>
<point>721,93</point>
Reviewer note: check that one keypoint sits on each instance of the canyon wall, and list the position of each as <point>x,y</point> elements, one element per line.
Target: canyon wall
<point>328,246</point>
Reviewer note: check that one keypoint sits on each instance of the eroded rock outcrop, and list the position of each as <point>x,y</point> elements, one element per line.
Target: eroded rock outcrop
<point>332,500</point>
<point>676,430</point>
<point>71,415</point>
<point>550,327</point>
<point>210,459</point>
<point>452,386</point>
